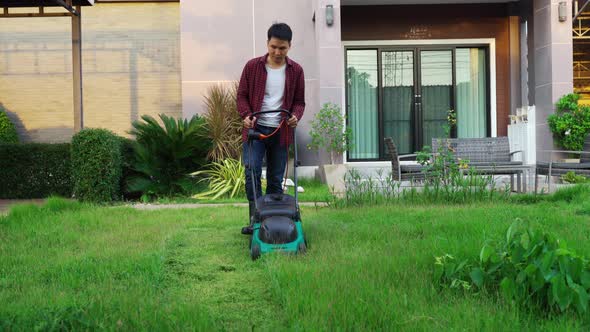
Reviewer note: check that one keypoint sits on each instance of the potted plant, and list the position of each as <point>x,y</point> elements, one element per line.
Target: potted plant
<point>570,124</point>
<point>329,133</point>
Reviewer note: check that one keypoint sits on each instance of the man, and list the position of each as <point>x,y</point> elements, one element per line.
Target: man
<point>270,82</point>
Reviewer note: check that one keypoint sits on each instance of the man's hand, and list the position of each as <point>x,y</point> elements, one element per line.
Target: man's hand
<point>249,122</point>
<point>292,122</point>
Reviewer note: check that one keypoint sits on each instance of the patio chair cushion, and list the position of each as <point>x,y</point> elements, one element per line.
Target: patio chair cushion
<point>572,166</point>
<point>411,168</point>
<point>495,163</point>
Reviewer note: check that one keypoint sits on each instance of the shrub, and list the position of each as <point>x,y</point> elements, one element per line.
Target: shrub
<point>224,123</point>
<point>530,268</point>
<point>572,177</point>
<point>165,155</point>
<point>96,165</point>
<point>127,161</point>
<point>226,178</point>
<point>35,170</point>
<point>570,124</point>
<point>8,132</point>
<point>328,131</point>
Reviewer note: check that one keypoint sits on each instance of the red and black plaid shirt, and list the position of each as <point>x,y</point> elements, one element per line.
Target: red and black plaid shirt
<point>253,84</point>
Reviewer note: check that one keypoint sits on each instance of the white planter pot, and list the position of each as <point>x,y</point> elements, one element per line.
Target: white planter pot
<point>569,160</point>
<point>290,168</point>
<point>333,176</point>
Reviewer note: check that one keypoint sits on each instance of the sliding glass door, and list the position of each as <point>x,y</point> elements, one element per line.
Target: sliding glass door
<point>435,96</point>
<point>361,95</point>
<point>406,93</point>
<point>472,92</point>
<point>397,77</point>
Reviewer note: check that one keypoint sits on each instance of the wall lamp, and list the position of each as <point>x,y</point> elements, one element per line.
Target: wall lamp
<point>329,15</point>
<point>562,11</point>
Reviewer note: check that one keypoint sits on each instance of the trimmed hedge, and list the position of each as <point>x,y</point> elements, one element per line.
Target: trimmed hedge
<point>35,170</point>
<point>128,158</point>
<point>96,165</point>
<point>8,132</point>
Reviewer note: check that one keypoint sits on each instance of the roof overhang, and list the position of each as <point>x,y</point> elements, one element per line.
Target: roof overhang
<point>43,3</point>
<point>415,2</point>
<point>72,6</point>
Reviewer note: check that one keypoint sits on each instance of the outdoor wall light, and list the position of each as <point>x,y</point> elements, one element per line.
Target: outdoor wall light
<point>329,15</point>
<point>562,11</point>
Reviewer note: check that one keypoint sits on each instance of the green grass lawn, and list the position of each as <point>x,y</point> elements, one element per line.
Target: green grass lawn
<point>69,266</point>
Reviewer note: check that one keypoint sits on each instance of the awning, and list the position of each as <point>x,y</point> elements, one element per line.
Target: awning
<point>43,3</point>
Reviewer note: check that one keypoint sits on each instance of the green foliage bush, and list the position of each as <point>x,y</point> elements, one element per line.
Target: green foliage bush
<point>127,162</point>
<point>96,165</point>
<point>570,124</point>
<point>531,268</point>
<point>35,170</point>
<point>226,178</point>
<point>328,131</point>
<point>165,155</point>
<point>572,177</point>
<point>8,132</point>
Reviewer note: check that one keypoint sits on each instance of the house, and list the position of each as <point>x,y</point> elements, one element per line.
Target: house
<point>395,66</point>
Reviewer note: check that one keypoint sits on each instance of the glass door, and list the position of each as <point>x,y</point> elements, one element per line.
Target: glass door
<point>435,96</point>
<point>362,106</point>
<point>397,81</point>
<point>406,92</point>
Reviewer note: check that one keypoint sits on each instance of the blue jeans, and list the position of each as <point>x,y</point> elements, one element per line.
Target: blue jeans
<point>276,160</point>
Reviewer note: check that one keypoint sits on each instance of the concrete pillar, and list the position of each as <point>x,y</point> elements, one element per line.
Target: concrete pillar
<point>330,57</point>
<point>553,53</point>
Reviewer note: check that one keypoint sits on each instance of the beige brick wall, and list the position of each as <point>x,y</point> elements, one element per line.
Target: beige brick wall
<point>131,67</point>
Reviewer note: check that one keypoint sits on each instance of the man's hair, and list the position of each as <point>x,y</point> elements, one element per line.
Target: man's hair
<point>280,31</point>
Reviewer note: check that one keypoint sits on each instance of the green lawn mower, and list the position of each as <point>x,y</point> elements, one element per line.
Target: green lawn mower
<point>276,222</point>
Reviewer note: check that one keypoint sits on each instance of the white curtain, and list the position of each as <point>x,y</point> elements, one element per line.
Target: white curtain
<point>471,101</point>
<point>362,103</point>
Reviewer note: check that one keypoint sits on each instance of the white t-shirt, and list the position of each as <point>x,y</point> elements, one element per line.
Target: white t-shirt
<point>273,96</point>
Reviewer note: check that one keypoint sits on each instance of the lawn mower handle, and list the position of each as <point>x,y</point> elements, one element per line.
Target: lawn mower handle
<point>252,133</point>
<point>271,111</point>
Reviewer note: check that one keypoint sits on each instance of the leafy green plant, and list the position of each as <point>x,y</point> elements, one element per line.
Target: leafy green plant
<point>35,170</point>
<point>382,189</point>
<point>572,177</point>
<point>570,124</point>
<point>165,154</point>
<point>445,172</point>
<point>8,132</point>
<point>224,122</point>
<point>226,178</point>
<point>531,268</point>
<point>328,131</point>
<point>96,165</point>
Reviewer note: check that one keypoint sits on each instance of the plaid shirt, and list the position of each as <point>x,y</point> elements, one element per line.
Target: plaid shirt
<point>253,84</point>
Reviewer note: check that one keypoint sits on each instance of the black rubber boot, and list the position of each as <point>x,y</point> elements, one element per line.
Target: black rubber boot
<point>249,229</point>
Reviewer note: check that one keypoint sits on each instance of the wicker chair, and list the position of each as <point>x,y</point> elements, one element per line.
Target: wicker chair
<point>554,168</point>
<point>399,171</point>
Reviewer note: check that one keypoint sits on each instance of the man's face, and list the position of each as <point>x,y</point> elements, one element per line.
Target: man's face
<point>277,50</point>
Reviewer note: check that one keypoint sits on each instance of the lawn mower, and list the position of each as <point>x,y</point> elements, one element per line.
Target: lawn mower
<point>276,222</point>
